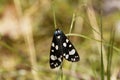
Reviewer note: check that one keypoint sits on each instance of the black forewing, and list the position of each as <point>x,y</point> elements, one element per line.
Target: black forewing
<point>55,53</point>
<point>69,51</point>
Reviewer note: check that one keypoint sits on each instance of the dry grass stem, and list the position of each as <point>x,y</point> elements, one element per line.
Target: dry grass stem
<point>27,29</point>
<point>93,22</point>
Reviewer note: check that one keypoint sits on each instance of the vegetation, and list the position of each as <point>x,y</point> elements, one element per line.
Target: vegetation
<point>26,30</point>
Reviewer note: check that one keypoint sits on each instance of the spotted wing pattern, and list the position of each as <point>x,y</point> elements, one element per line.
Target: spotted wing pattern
<point>55,54</point>
<point>61,47</point>
<point>69,52</point>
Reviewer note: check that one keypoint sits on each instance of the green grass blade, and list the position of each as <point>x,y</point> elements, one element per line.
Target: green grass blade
<point>102,63</point>
<point>54,16</point>
<point>110,53</point>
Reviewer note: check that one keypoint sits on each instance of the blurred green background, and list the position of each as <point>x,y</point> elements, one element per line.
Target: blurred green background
<point>26,31</point>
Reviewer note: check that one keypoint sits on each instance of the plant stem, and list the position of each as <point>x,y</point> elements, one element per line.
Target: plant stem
<point>102,63</point>
<point>54,16</point>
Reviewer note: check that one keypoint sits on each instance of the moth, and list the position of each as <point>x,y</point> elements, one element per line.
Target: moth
<point>61,47</point>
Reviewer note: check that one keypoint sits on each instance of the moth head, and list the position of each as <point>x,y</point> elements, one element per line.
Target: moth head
<point>58,32</point>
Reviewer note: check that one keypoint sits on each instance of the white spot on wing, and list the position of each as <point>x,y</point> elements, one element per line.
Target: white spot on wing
<point>56,47</point>
<point>67,56</point>
<point>58,37</point>
<point>53,45</point>
<point>53,57</point>
<point>52,63</point>
<point>52,50</point>
<point>56,64</point>
<point>70,45</point>
<point>64,54</point>
<point>76,56</point>
<point>64,44</point>
<point>67,40</point>
<point>72,59</point>
<point>59,59</point>
<point>72,52</point>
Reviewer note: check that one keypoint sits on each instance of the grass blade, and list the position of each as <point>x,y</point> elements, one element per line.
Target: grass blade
<point>110,53</point>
